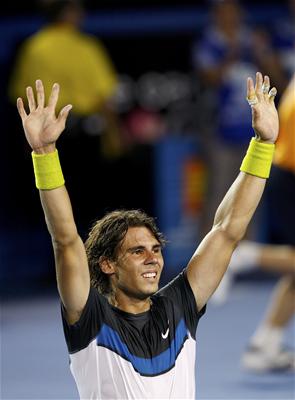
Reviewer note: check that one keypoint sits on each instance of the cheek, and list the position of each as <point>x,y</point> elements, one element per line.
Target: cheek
<point>128,272</point>
<point>131,281</point>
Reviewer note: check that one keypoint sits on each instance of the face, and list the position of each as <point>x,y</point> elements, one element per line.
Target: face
<point>139,264</point>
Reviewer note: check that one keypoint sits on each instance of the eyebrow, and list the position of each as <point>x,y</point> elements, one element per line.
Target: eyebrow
<point>155,246</point>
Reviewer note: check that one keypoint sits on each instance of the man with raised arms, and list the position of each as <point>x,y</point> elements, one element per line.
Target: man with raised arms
<point>126,338</point>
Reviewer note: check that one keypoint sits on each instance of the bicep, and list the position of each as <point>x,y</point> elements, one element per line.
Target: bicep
<point>73,277</point>
<point>208,264</point>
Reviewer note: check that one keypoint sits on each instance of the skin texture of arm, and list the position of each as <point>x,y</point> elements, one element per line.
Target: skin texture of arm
<point>42,129</point>
<point>71,263</point>
<point>208,264</point>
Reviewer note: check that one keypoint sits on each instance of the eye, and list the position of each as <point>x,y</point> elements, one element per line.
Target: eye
<point>157,250</point>
<point>138,251</point>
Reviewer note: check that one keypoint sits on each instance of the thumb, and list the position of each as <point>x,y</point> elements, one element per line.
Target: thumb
<point>63,115</point>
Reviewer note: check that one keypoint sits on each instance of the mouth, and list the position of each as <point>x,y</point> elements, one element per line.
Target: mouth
<point>150,275</point>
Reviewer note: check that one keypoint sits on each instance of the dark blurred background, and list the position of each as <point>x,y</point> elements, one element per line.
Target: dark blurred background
<point>166,113</point>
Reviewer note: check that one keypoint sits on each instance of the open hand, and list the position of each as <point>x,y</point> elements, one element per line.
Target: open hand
<point>265,120</point>
<point>42,128</point>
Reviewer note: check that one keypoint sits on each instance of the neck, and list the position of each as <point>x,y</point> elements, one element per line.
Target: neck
<point>129,304</point>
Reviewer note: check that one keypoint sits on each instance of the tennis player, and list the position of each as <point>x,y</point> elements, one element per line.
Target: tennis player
<point>126,338</point>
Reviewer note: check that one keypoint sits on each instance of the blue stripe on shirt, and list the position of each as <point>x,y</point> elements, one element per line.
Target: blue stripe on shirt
<point>110,339</point>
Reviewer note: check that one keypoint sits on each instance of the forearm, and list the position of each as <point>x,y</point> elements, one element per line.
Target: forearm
<point>239,204</point>
<point>208,264</point>
<point>54,196</point>
<point>59,215</point>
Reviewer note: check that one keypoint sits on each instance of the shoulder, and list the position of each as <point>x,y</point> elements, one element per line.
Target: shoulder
<point>82,332</point>
<point>178,295</point>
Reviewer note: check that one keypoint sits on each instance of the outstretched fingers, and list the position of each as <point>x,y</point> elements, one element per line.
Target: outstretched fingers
<point>251,95</point>
<point>269,95</point>
<point>250,88</point>
<point>21,108</point>
<point>40,93</point>
<point>272,94</point>
<point>266,87</point>
<point>31,99</point>
<point>260,92</point>
<point>53,96</point>
<point>258,85</point>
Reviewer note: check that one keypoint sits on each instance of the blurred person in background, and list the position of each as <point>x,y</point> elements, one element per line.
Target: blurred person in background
<point>126,339</point>
<point>61,52</point>
<point>226,53</point>
<point>266,351</point>
<point>283,38</point>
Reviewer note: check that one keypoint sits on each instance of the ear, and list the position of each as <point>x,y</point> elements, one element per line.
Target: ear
<point>107,266</point>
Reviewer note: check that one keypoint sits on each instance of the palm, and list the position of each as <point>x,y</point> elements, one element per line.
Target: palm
<point>42,128</point>
<point>265,122</point>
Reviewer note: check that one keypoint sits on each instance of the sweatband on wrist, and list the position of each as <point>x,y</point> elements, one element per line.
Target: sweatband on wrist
<point>258,159</point>
<point>47,169</point>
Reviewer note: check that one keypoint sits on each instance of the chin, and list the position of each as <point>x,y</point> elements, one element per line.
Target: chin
<point>144,296</point>
<point>150,291</point>
<point>144,293</point>
<point>141,293</point>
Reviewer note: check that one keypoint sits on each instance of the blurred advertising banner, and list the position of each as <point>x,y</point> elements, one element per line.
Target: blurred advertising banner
<point>180,180</point>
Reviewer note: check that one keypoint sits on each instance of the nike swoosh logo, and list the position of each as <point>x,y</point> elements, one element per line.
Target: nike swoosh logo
<point>165,335</point>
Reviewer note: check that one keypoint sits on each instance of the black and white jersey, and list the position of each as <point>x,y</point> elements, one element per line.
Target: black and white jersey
<point>118,355</point>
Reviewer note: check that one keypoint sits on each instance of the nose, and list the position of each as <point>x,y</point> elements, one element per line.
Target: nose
<point>151,258</point>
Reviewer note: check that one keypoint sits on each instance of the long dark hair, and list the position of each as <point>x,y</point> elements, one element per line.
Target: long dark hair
<point>105,237</point>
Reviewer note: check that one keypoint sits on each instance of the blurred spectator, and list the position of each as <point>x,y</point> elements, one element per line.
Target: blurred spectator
<point>226,54</point>
<point>60,52</point>
<point>283,31</point>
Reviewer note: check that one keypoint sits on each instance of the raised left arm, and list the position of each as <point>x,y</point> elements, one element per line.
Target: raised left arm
<point>208,264</point>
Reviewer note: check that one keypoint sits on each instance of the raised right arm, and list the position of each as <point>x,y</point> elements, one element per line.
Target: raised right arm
<point>42,129</point>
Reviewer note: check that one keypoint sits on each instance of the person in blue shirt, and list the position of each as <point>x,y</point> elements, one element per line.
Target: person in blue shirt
<point>226,53</point>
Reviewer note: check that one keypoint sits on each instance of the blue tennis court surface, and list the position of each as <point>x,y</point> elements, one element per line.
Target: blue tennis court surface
<point>34,360</point>
<point>223,335</point>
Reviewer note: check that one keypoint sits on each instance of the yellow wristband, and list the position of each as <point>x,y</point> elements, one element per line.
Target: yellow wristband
<point>258,159</point>
<point>47,169</point>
